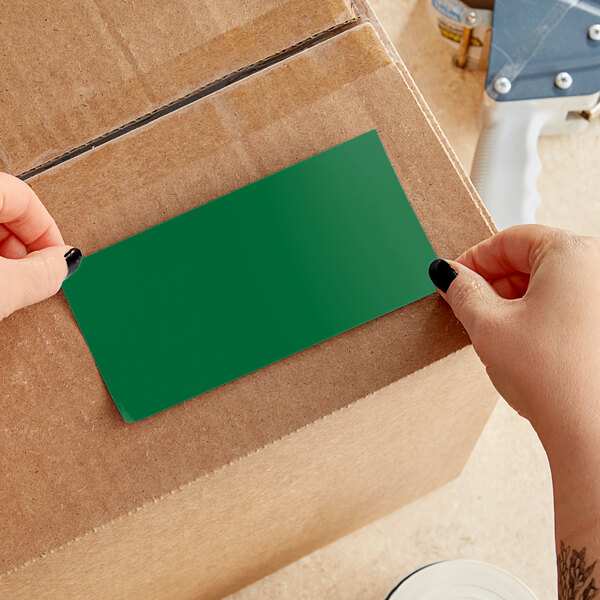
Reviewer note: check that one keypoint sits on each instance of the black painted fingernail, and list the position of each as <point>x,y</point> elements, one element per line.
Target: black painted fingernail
<point>442,274</point>
<point>73,258</point>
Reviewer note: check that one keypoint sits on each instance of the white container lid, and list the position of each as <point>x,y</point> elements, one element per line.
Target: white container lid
<point>461,580</point>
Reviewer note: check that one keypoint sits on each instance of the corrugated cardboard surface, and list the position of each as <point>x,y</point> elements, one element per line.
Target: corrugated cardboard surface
<point>69,462</point>
<point>282,501</point>
<point>73,71</point>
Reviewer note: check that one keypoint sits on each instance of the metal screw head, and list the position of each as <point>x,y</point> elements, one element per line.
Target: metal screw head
<point>471,17</point>
<point>502,85</point>
<point>563,80</point>
<point>594,32</point>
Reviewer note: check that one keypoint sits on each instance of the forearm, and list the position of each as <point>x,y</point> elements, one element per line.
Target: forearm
<point>575,464</point>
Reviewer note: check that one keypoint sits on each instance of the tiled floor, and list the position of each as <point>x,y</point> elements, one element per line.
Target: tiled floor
<point>500,509</point>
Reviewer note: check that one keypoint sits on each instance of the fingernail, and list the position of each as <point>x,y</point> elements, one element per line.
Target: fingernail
<point>442,274</point>
<point>73,258</point>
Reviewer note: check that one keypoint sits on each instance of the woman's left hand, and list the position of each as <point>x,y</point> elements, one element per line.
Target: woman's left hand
<point>34,260</point>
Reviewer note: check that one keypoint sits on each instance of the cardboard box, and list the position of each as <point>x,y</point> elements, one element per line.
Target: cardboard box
<point>212,494</point>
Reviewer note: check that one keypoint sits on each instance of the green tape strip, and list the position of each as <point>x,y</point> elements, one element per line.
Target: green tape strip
<point>250,278</point>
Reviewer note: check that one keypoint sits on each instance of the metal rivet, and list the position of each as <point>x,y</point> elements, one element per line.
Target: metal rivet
<point>502,85</point>
<point>594,32</point>
<point>563,80</point>
<point>471,17</point>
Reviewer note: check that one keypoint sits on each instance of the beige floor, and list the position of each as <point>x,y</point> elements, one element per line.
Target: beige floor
<point>500,509</point>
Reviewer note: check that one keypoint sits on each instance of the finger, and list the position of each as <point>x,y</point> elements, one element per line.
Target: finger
<point>12,247</point>
<point>472,299</point>
<point>513,250</point>
<point>36,277</point>
<point>23,214</point>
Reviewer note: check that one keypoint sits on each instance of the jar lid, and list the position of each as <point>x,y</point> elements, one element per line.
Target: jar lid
<point>461,580</point>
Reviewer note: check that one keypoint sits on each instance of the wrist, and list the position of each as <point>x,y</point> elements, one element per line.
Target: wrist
<point>573,451</point>
<point>566,424</point>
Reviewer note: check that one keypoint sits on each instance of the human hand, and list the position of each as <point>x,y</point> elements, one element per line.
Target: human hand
<point>34,259</point>
<point>529,298</point>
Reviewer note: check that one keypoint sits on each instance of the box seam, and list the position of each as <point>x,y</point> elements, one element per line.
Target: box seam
<point>187,484</point>
<point>196,95</point>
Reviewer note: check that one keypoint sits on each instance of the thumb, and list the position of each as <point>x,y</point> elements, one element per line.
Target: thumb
<point>472,299</point>
<point>36,277</point>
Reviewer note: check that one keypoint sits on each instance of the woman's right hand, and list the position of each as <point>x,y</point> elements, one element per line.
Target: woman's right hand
<point>529,298</point>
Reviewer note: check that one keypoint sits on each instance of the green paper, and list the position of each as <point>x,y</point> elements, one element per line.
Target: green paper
<point>250,278</point>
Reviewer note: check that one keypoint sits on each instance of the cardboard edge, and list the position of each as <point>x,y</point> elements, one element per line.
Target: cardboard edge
<point>366,10</point>
<point>464,355</point>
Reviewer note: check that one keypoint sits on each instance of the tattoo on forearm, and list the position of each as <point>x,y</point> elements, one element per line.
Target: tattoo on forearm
<point>575,577</point>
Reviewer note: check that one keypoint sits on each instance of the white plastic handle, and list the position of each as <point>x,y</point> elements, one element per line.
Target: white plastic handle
<point>506,163</point>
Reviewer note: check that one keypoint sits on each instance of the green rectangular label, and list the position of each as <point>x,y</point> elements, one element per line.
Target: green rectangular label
<point>250,278</point>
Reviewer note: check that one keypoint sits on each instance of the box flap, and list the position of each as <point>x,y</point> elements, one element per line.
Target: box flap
<point>73,71</point>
